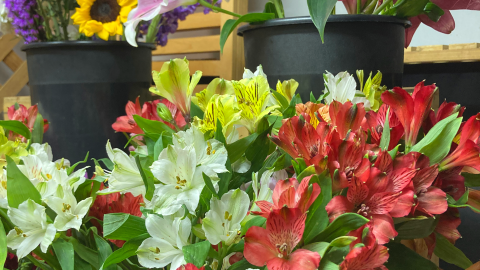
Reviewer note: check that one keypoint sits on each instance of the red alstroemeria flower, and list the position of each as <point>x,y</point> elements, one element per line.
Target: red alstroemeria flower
<point>310,109</point>
<point>448,224</point>
<point>27,117</point>
<point>190,266</point>
<point>368,256</point>
<point>467,153</point>
<point>446,24</point>
<point>452,182</point>
<point>371,201</point>
<point>289,193</point>
<point>300,139</point>
<point>274,246</point>
<point>444,111</point>
<point>346,116</point>
<point>410,110</point>
<point>127,124</point>
<point>376,121</point>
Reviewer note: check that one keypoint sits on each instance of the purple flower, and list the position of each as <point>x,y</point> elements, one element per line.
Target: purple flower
<point>25,19</point>
<point>169,22</point>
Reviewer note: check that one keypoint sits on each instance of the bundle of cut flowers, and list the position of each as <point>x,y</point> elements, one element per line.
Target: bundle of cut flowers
<point>241,176</point>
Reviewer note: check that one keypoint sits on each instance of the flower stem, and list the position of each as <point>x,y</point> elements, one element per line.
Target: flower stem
<point>48,32</point>
<point>208,5</point>
<point>382,7</point>
<point>359,6</point>
<point>279,8</point>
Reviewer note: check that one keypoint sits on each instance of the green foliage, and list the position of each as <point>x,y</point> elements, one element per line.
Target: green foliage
<point>3,244</point>
<point>415,229</point>
<point>341,226</point>
<point>72,168</point>
<point>65,254</point>
<point>19,186</point>
<point>197,253</point>
<point>320,11</point>
<point>471,180</point>
<point>17,127</point>
<point>255,221</point>
<point>37,132</point>
<point>104,251</point>
<point>147,178</point>
<point>128,249</point>
<point>449,253</point>
<point>385,140</point>
<point>317,217</point>
<point>120,226</point>
<point>151,126</point>
<point>209,185</point>
<point>401,257</point>
<point>195,111</point>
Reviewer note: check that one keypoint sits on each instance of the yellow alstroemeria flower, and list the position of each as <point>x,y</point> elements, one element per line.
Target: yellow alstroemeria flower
<point>173,83</point>
<point>252,100</point>
<point>224,109</point>
<point>216,86</point>
<point>287,88</point>
<point>372,89</point>
<point>14,149</point>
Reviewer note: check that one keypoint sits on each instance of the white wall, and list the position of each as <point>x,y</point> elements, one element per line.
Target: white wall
<point>467,23</point>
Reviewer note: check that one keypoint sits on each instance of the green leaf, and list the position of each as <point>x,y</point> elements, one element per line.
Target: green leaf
<point>317,217</point>
<point>209,185</point>
<point>197,253</point>
<point>19,186</point>
<point>64,252</point>
<point>320,11</point>
<point>151,125</point>
<point>433,12</point>
<point>449,253</point>
<point>87,254</point>
<point>281,99</point>
<point>128,250</point>
<point>401,258</point>
<point>310,170</point>
<point>436,144</point>
<point>219,133</point>
<point>333,257</point>
<point>299,165</point>
<point>312,98</point>
<point>81,264</point>
<point>72,168</point>
<point>319,247</point>
<point>341,226</point>
<point>242,265</point>
<point>37,132</point>
<point>385,140</point>
<point>270,8</point>
<point>198,231</point>
<point>291,110</point>
<point>414,229</point>
<point>158,147</point>
<point>343,241</point>
<point>104,251</point>
<point>237,149</point>
<point>257,221</point>
<point>147,180</point>
<point>195,111</point>
<point>120,226</point>
<point>408,9</point>
<point>231,24</point>
<point>258,150</point>
<point>17,127</point>
<point>224,179</point>
<point>461,203</point>
<point>3,245</point>
<point>108,163</point>
<point>471,180</point>
<point>279,163</point>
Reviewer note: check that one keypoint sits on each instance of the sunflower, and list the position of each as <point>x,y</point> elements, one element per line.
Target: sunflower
<point>104,17</point>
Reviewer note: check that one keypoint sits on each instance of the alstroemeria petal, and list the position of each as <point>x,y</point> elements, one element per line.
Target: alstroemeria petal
<point>258,248</point>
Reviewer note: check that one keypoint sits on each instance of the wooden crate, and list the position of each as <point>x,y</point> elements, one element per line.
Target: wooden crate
<point>468,52</point>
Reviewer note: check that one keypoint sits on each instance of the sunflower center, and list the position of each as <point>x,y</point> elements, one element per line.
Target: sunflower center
<point>105,11</point>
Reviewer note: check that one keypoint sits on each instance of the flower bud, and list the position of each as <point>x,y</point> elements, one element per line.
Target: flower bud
<point>164,113</point>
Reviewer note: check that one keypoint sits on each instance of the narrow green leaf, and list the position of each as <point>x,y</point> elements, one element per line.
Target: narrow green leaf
<point>104,251</point>
<point>197,253</point>
<point>436,144</point>
<point>81,264</point>
<point>148,181</point>
<point>128,250</point>
<point>449,253</point>
<point>341,226</point>
<point>19,186</point>
<point>3,245</point>
<point>471,180</point>
<point>209,185</point>
<point>219,133</point>
<point>281,99</point>
<point>37,132</point>
<point>87,254</point>
<point>343,241</point>
<point>72,168</point>
<point>120,226</point>
<point>415,229</point>
<point>17,127</point>
<point>258,151</point>
<point>195,111</point>
<point>225,178</point>
<point>108,163</point>
<point>238,148</point>
<point>157,149</point>
<point>310,170</point>
<point>320,11</point>
<point>317,217</point>
<point>64,253</point>
<point>231,24</point>
<point>257,221</point>
<point>319,247</point>
<point>385,140</point>
<point>242,265</point>
<point>401,258</point>
<point>151,125</point>
<point>312,98</point>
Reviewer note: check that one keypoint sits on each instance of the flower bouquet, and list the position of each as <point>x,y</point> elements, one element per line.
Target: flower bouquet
<point>241,176</point>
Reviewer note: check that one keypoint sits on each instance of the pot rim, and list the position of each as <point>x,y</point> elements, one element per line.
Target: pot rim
<point>342,18</point>
<point>84,43</point>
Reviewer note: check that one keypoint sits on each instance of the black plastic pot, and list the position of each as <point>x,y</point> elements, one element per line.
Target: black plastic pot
<point>292,48</point>
<point>81,87</point>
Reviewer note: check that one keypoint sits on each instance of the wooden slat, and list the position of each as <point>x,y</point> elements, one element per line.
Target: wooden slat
<point>13,61</point>
<point>467,55</point>
<point>7,43</point>
<point>15,83</point>
<point>464,46</point>
<point>190,45</point>
<point>429,48</point>
<point>200,21</point>
<point>9,101</point>
<point>208,67</point>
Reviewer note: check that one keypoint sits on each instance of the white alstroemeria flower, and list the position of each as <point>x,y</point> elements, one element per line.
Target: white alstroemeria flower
<point>210,154</point>
<point>41,173</point>
<point>69,212</point>
<point>125,177</point>
<point>177,169</point>
<point>222,222</point>
<point>43,151</point>
<point>342,88</point>
<point>31,229</point>
<point>261,189</point>
<point>3,189</point>
<point>74,180</point>
<point>169,235</point>
<point>242,165</point>
<point>248,74</point>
